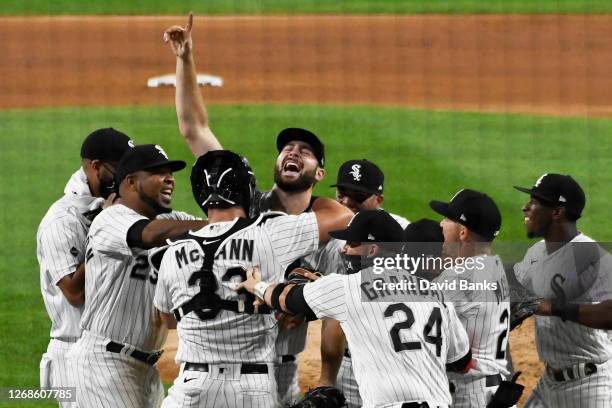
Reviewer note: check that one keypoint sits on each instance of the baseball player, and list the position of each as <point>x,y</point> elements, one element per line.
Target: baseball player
<point>299,166</point>
<point>472,220</point>
<point>400,350</point>
<point>569,270</point>
<point>61,248</point>
<point>121,332</point>
<point>359,186</point>
<point>226,348</point>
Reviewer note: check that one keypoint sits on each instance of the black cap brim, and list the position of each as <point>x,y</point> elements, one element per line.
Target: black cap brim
<point>535,194</point>
<point>340,234</point>
<point>441,208</point>
<point>175,165</point>
<point>355,187</point>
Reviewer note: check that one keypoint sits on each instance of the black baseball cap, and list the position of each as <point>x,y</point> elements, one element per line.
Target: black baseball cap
<point>302,135</point>
<point>371,226</point>
<point>423,230</point>
<point>360,175</point>
<point>475,210</point>
<point>558,189</point>
<point>424,237</point>
<point>145,157</point>
<point>107,145</point>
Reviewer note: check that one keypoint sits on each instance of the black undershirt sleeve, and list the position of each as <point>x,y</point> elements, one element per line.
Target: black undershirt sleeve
<point>134,234</point>
<point>296,303</point>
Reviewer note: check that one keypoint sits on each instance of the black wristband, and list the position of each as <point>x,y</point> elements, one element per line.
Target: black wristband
<point>275,299</point>
<point>566,311</point>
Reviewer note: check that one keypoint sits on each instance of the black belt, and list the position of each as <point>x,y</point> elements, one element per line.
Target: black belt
<point>347,353</point>
<point>149,358</point>
<point>415,405</point>
<point>493,380</point>
<point>287,358</point>
<point>245,368</point>
<point>565,374</point>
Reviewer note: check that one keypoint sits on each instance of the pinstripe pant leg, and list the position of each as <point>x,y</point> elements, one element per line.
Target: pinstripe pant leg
<point>347,383</point>
<point>536,399</point>
<point>257,391</point>
<point>287,385</point>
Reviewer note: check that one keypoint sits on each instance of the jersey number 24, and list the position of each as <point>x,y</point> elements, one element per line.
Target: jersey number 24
<point>434,324</point>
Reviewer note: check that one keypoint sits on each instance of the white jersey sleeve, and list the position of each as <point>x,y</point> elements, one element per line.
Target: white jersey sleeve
<point>326,297</point>
<point>112,239</point>
<point>61,247</point>
<point>292,236</point>
<point>458,341</point>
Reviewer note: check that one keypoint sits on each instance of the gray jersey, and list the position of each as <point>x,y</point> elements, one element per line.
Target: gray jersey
<point>485,316</point>
<point>395,358</point>
<point>270,242</point>
<point>60,249</point>
<point>120,283</point>
<point>560,343</point>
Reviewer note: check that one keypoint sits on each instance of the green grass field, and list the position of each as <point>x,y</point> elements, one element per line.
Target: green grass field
<point>425,155</point>
<point>76,7</point>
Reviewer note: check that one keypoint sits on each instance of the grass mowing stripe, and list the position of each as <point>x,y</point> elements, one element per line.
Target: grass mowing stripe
<point>292,7</point>
<point>425,155</point>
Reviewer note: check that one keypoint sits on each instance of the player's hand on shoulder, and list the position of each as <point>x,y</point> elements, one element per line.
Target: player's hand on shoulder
<point>180,38</point>
<point>111,200</point>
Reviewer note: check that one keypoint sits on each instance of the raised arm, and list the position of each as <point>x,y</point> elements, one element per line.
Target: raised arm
<point>190,108</point>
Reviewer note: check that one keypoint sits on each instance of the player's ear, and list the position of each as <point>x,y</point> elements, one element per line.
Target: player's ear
<point>464,233</point>
<point>371,250</point>
<point>379,199</point>
<point>559,213</point>
<point>131,182</point>
<point>319,174</point>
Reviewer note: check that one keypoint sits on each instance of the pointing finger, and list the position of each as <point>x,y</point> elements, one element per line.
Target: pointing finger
<point>189,22</point>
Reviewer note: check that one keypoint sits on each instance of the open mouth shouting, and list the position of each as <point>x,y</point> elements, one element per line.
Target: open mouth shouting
<point>291,168</point>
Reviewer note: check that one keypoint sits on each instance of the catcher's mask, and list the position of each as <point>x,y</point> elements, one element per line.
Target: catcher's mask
<point>222,179</point>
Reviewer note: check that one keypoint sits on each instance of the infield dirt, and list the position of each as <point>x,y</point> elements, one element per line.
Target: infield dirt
<point>555,65</point>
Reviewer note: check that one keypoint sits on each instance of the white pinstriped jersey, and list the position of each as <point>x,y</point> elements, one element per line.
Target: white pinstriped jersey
<point>561,344</point>
<point>327,260</point>
<point>120,283</point>
<point>271,243</point>
<point>485,316</point>
<point>60,249</point>
<point>395,358</point>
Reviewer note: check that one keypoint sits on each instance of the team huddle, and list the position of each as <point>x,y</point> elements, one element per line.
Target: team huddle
<point>119,267</point>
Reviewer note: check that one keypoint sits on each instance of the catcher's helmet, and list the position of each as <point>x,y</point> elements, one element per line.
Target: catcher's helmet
<point>222,179</point>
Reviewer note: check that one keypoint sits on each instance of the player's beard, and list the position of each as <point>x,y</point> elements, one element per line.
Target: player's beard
<point>303,183</point>
<point>155,206</point>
